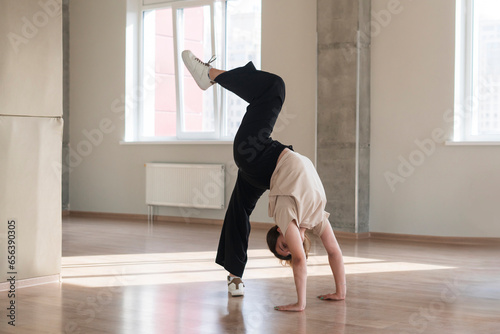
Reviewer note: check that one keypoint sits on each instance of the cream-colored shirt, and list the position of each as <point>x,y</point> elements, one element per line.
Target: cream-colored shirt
<point>296,193</point>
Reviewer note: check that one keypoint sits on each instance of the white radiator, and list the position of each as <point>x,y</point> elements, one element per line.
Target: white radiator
<point>185,185</point>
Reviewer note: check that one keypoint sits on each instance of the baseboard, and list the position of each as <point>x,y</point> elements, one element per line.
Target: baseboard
<point>157,218</point>
<point>436,239</point>
<point>28,282</point>
<point>352,235</point>
<point>108,215</point>
<point>263,225</point>
<point>188,220</point>
<point>192,220</point>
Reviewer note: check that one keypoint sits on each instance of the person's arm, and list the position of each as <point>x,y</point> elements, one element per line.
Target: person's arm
<point>336,263</point>
<point>294,243</point>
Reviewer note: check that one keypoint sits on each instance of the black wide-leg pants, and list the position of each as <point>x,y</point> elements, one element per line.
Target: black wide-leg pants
<point>255,154</point>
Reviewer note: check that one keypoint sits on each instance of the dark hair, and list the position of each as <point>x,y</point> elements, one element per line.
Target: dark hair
<point>272,238</point>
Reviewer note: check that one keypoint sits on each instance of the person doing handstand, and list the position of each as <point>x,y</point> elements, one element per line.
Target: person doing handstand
<point>297,198</point>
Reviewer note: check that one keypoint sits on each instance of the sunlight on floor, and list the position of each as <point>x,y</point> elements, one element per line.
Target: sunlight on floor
<point>187,267</point>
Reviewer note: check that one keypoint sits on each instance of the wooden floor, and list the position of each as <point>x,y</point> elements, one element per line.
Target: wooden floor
<point>117,278</point>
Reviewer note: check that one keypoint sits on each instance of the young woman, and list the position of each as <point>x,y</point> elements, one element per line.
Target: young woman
<point>297,201</point>
<point>297,198</point>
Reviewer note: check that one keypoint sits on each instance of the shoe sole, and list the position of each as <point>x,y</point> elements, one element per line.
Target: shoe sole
<point>236,294</point>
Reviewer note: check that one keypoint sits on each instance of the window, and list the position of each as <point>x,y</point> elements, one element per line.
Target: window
<point>170,105</point>
<point>477,88</point>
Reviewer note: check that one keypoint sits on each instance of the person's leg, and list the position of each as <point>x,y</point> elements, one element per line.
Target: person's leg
<point>255,152</point>
<point>213,73</point>
<point>233,242</point>
<point>250,84</point>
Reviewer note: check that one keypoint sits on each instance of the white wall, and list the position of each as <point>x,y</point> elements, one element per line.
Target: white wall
<point>30,137</point>
<point>109,177</point>
<point>447,191</point>
<point>29,52</point>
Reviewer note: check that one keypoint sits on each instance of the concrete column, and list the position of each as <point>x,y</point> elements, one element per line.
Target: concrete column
<point>343,135</point>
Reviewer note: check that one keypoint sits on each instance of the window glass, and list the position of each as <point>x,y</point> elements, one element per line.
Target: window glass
<point>165,90</point>
<point>243,45</point>
<point>486,68</point>
<point>198,107</point>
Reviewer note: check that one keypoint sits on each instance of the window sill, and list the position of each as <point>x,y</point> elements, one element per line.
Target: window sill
<point>178,142</point>
<point>472,143</point>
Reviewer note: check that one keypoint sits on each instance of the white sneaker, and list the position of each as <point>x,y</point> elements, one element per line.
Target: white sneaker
<point>235,286</point>
<point>198,69</point>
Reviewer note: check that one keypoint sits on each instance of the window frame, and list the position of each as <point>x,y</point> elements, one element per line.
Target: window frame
<point>464,80</point>
<point>218,47</point>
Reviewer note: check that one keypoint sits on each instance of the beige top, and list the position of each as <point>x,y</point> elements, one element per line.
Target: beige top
<point>296,193</point>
